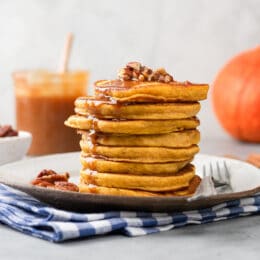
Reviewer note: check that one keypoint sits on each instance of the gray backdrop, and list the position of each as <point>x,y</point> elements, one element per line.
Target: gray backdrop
<point>191,39</point>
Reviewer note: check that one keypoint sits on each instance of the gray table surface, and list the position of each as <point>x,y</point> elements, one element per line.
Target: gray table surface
<point>235,239</point>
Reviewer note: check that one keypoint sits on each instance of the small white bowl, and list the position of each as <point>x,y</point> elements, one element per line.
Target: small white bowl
<point>14,148</point>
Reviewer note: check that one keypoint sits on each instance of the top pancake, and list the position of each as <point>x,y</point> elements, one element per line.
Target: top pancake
<point>138,91</point>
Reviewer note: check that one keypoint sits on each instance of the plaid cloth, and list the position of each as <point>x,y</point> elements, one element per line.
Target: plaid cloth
<point>26,214</point>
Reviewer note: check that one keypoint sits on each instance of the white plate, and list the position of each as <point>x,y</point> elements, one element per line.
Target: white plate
<point>245,181</point>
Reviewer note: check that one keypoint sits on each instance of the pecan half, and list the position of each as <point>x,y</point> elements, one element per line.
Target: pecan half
<point>124,74</point>
<point>42,183</point>
<point>7,131</point>
<point>46,173</point>
<point>51,176</point>
<point>63,185</point>
<point>55,177</point>
<point>134,65</point>
<point>53,180</point>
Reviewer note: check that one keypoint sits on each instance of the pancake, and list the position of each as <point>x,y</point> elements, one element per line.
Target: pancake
<point>140,154</point>
<point>135,127</point>
<point>108,110</point>
<point>137,91</point>
<point>175,139</point>
<point>166,182</point>
<point>89,188</point>
<point>100,165</point>
<point>79,122</point>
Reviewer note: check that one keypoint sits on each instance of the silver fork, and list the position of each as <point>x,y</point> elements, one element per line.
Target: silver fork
<point>219,178</point>
<point>213,182</point>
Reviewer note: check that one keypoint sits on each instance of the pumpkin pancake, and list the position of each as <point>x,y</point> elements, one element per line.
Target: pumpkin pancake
<point>90,188</point>
<point>193,185</point>
<point>137,91</point>
<point>166,182</point>
<point>135,127</point>
<point>101,165</point>
<point>79,122</point>
<point>108,110</point>
<point>140,154</point>
<point>175,139</point>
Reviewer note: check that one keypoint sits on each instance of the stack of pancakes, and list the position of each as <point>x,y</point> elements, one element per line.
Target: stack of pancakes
<point>139,137</point>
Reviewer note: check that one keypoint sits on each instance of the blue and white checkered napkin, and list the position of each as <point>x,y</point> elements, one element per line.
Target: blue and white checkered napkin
<point>26,214</point>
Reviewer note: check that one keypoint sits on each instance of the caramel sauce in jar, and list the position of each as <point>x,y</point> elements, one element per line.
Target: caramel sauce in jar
<point>44,100</point>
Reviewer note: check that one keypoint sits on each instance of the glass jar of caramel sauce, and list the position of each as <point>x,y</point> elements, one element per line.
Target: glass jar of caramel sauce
<point>44,100</point>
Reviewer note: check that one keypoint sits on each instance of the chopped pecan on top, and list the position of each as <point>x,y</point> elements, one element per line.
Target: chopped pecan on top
<point>51,179</point>
<point>136,71</point>
<point>7,130</point>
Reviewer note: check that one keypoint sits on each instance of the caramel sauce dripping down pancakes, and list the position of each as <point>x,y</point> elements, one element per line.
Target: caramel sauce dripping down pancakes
<point>139,134</point>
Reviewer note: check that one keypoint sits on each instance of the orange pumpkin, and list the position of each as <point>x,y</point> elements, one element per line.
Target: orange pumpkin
<point>236,96</point>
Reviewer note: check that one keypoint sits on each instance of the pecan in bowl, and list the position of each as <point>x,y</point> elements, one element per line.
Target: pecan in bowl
<point>7,131</point>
